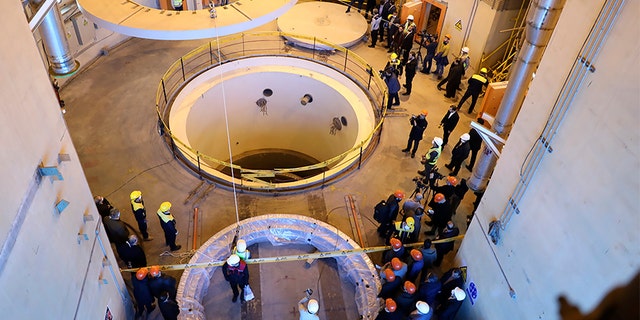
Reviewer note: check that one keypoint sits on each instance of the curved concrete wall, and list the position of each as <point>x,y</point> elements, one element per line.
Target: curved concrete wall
<point>198,113</point>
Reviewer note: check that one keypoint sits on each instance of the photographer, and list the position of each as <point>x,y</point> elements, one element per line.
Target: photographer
<point>432,45</point>
<point>309,311</point>
<point>418,125</point>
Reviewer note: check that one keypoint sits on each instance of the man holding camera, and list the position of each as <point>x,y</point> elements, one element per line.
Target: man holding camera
<point>310,310</point>
<point>418,125</point>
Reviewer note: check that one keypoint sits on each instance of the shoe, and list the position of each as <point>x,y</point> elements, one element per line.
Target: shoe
<point>176,248</point>
<point>469,111</point>
<point>404,85</point>
<point>372,46</point>
<point>428,72</point>
<point>422,173</point>
<point>234,299</point>
<point>469,168</point>
<point>406,93</point>
<point>396,104</point>
<point>148,239</point>
<point>439,77</point>
<point>349,9</point>
<point>448,166</point>
<point>405,150</point>
<point>413,155</point>
<point>440,88</point>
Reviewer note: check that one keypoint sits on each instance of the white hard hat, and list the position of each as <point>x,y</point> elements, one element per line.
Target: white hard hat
<point>313,306</point>
<point>233,260</point>
<point>465,49</point>
<point>459,294</point>
<point>241,246</point>
<point>423,307</point>
<point>410,17</point>
<point>465,137</point>
<point>438,141</point>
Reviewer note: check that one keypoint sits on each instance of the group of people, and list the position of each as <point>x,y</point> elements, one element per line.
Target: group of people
<point>410,290</point>
<point>129,250</point>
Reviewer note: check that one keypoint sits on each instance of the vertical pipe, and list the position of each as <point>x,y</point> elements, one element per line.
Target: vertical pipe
<point>195,229</point>
<point>61,61</point>
<point>541,21</point>
<point>182,68</point>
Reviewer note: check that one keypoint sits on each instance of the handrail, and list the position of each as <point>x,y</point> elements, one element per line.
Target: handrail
<point>273,43</point>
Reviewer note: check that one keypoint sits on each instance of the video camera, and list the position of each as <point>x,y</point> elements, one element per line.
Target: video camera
<point>424,35</point>
<point>422,182</point>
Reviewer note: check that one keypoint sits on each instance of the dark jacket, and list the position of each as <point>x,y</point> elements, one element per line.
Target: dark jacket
<point>418,125</point>
<point>449,123</point>
<point>133,256</point>
<point>410,68</point>
<point>460,151</point>
<point>117,231</point>
<point>163,283</point>
<point>476,82</point>
<point>441,214</point>
<point>389,289</point>
<point>169,309</point>
<point>141,291</point>
<point>475,141</point>
<point>430,290</point>
<point>406,302</point>
<point>444,248</point>
<point>238,275</point>
<point>456,71</point>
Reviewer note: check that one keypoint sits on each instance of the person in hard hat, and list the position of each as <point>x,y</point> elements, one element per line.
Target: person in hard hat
<point>442,249</point>
<point>464,58</point>
<point>394,33</point>
<point>439,213</point>
<point>390,284</point>
<point>407,298</point>
<point>411,205</point>
<point>415,264</point>
<point>103,206</point>
<point>308,308</point>
<point>390,78</point>
<point>459,153</point>
<point>376,21</point>
<point>448,189</point>
<point>477,83</point>
<point>137,207</point>
<point>132,254</point>
<point>460,191</point>
<point>406,43</point>
<point>397,251</point>
<point>393,62</point>
<point>235,271</point>
<point>390,311</point>
<point>430,158</point>
<point>404,229</point>
<point>410,69</point>
<point>453,79</point>
<point>449,308</point>
<point>168,308</point>
<point>241,250</point>
<point>391,208</point>
<point>141,292</point>
<point>160,282</point>
<point>422,312</point>
<point>448,123</point>
<point>442,56</point>
<point>116,230</point>
<point>398,266</point>
<point>431,46</point>
<point>409,23</point>
<point>418,126</point>
<point>168,223</point>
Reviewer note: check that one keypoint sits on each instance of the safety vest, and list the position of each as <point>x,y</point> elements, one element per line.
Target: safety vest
<point>136,205</point>
<point>177,3</point>
<point>243,255</point>
<point>436,149</point>
<point>479,78</point>
<point>165,217</point>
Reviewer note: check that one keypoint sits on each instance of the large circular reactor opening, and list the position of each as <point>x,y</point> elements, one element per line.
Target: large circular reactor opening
<point>281,122</point>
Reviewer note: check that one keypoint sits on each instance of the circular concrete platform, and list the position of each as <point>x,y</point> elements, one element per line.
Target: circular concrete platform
<point>325,21</point>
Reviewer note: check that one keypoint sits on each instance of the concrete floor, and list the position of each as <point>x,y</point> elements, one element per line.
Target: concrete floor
<point>112,120</point>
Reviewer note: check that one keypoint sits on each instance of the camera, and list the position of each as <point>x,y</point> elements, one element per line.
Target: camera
<point>421,183</point>
<point>309,292</point>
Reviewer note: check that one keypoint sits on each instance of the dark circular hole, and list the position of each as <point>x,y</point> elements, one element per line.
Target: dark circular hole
<point>267,92</point>
<point>343,120</point>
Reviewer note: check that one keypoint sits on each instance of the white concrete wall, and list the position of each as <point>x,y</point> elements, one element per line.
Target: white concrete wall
<point>576,234</point>
<point>45,272</point>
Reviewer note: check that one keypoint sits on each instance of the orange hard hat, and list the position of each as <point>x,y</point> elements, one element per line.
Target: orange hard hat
<point>424,112</point>
<point>452,180</point>
<point>142,273</point>
<point>438,197</point>
<point>396,264</point>
<point>395,243</point>
<point>409,287</point>
<point>388,273</point>
<point>390,305</point>
<point>154,271</point>
<point>416,254</point>
<point>447,36</point>
<point>399,194</point>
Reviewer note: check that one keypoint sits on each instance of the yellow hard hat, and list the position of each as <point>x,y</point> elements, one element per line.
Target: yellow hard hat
<point>394,56</point>
<point>483,70</point>
<point>389,17</point>
<point>135,195</point>
<point>165,206</point>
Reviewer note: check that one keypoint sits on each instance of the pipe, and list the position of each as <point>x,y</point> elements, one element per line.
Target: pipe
<point>541,21</point>
<point>61,61</point>
<point>195,229</point>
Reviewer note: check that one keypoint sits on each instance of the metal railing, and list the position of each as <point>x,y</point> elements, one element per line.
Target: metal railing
<point>247,45</point>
